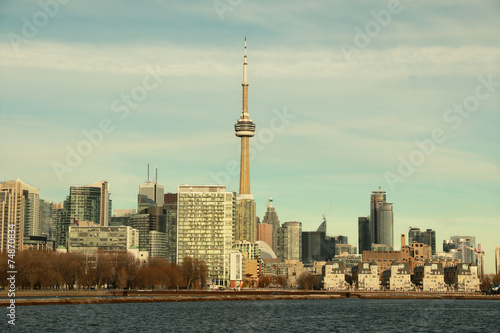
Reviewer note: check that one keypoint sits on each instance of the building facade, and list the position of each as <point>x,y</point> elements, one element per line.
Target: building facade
<point>364,238</point>
<point>246,220</point>
<point>150,194</point>
<point>265,233</point>
<point>429,277</point>
<point>89,240</point>
<point>90,203</point>
<point>316,247</point>
<point>397,277</point>
<point>205,227</point>
<point>365,276</point>
<point>462,277</point>
<point>290,241</point>
<point>12,216</point>
<point>426,237</point>
<point>334,276</point>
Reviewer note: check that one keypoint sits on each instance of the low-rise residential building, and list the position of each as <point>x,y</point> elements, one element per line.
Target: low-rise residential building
<point>334,276</point>
<point>92,239</point>
<point>397,277</point>
<point>429,277</point>
<point>462,277</point>
<point>365,276</point>
<point>350,260</point>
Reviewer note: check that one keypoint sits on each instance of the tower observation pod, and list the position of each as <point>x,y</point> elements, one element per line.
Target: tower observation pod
<point>244,128</point>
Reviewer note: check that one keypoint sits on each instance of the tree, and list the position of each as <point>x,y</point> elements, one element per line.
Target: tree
<point>121,278</point>
<point>194,270</point>
<point>306,280</point>
<point>282,280</point>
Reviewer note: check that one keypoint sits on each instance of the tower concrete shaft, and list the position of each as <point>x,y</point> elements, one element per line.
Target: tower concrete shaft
<point>245,128</point>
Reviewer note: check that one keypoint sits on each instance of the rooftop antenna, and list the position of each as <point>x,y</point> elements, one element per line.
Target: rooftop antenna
<point>148,172</point>
<point>156,177</point>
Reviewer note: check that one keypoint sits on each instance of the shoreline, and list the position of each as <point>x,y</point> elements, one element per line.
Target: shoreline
<point>25,298</point>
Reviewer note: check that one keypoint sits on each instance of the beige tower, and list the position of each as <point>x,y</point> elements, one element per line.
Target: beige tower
<point>245,128</point>
<point>246,220</point>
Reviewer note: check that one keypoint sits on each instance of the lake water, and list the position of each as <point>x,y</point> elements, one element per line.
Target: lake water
<point>342,315</point>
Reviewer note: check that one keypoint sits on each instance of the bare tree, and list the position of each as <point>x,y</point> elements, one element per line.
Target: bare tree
<point>306,280</point>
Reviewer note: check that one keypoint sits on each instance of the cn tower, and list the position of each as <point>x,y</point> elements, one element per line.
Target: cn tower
<point>244,128</point>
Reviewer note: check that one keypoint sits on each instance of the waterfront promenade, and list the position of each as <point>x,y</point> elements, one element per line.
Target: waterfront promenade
<point>136,296</point>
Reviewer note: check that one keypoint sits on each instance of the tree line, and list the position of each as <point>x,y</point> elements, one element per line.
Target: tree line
<point>62,271</point>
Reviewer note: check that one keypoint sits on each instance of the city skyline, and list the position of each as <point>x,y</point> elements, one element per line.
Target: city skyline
<point>337,118</point>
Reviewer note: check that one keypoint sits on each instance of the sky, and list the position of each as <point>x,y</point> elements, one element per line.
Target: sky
<point>346,96</point>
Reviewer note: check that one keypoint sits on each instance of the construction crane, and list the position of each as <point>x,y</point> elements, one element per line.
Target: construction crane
<point>480,255</point>
<point>322,227</point>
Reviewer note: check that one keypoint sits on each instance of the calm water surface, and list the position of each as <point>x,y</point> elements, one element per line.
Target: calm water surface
<point>343,315</point>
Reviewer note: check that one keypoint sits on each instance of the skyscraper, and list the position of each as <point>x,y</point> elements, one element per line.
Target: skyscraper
<point>461,245</point>
<point>12,215</point>
<point>90,203</point>
<point>316,246</point>
<point>364,240</point>
<point>205,227</point>
<point>381,219</point>
<point>271,217</point>
<point>290,241</point>
<point>246,221</point>
<point>150,194</point>
<point>426,237</point>
<point>45,217</point>
<point>60,224</point>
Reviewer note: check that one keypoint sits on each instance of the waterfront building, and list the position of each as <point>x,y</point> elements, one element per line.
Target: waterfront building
<point>290,241</point>
<point>364,238</point>
<point>89,240</point>
<point>350,260</point>
<point>334,276</point>
<point>265,233</point>
<point>205,227</point>
<point>271,217</point>
<point>462,277</point>
<point>365,276</point>
<point>12,210</point>
<point>426,237</point>
<point>397,277</point>
<point>381,219</point>
<point>429,277</point>
<point>463,244</point>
